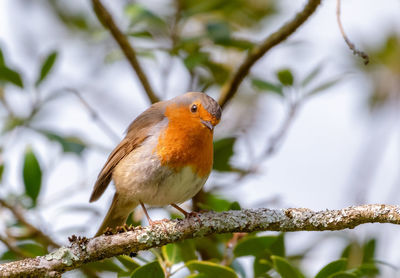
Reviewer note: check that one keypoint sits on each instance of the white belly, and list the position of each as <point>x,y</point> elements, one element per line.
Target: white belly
<point>139,177</point>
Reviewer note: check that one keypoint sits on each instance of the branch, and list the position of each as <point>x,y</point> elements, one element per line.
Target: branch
<point>108,22</point>
<point>95,116</point>
<point>16,211</point>
<point>229,90</point>
<point>84,250</point>
<point>351,45</point>
<point>36,232</point>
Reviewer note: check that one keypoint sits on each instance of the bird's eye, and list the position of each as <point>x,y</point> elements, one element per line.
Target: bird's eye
<point>193,109</point>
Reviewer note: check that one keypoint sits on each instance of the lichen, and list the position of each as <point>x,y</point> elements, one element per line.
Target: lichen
<point>143,238</point>
<point>64,254</point>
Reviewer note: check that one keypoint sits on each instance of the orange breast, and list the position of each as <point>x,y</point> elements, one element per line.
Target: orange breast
<point>185,142</point>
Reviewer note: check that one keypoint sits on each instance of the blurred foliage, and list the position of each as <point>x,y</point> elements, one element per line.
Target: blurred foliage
<point>208,38</point>
<point>384,73</point>
<point>32,175</point>
<point>7,74</point>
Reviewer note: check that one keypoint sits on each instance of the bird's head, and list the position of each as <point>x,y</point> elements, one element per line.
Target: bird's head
<point>196,107</point>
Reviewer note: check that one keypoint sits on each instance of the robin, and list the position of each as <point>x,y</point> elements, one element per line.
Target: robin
<point>164,159</point>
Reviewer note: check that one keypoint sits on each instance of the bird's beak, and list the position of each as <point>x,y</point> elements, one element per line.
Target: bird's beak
<point>208,124</point>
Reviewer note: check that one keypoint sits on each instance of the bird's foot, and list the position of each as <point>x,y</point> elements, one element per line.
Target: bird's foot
<point>160,222</point>
<point>193,214</point>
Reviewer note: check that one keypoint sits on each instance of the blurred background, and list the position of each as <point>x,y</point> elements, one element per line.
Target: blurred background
<point>311,125</point>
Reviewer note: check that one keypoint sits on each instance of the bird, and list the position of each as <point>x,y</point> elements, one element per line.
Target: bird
<point>164,159</point>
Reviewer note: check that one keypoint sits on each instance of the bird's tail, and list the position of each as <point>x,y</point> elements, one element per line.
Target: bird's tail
<point>117,214</point>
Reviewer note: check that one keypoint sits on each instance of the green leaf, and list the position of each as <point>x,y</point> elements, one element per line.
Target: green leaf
<point>223,151</point>
<point>150,270</point>
<point>47,65</point>
<point>210,247</point>
<point>28,249</point>
<point>128,262</point>
<point>285,76</point>
<point>10,76</point>
<point>278,247</point>
<point>346,251</point>
<point>197,275</point>
<point>368,269</point>
<point>262,265</point>
<point>311,76</point>
<point>106,265</point>
<point>324,86</point>
<point>1,171</point>
<point>253,246</point>
<point>13,122</point>
<point>195,59</point>
<point>33,249</point>
<point>171,254</point>
<point>219,72</point>
<point>2,61</point>
<point>332,268</point>
<point>212,270</point>
<point>284,268</point>
<point>240,44</point>
<point>69,144</point>
<point>215,203</point>
<point>263,85</point>
<point>343,275</point>
<point>9,256</point>
<point>141,34</point>
<point>179,252</point>
<point>219,32</point>
<point>32,175</point>
<point>369,251</point>
<point>234,206</point>
<point>140,14</point>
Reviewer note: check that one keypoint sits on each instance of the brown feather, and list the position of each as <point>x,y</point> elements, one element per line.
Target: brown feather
<point>117,214</point>
<point>137,132</point>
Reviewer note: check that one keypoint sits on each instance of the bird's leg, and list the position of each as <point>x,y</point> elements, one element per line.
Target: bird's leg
<point>151,222</point>
<point>187,214</point>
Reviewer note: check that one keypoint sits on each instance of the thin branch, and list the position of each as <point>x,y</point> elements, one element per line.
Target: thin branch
<point>108,22</point>
<point>276,140</point>
<point>351,45</point>
<point>229,90</point>
<point>13,248</point>
<point>95,115</point>
<point>16,211</point>
<point>84,250</point>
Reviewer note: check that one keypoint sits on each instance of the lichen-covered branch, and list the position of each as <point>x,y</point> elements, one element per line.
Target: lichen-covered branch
<point>37,233</point>
<point>108,22</point>
<point>229,90</point>
<point>84,250</point>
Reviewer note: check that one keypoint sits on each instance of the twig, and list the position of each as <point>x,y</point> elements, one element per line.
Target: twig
<point>108,22</point>
<point>83,251</point>
<point>103,125</point>
<point>229,90</point>
<point>20,253</point>
<point>5,104</point>
<point>275,141</point>
<point>16,211</point>
<point>277,138</point>
<point>351,45</point>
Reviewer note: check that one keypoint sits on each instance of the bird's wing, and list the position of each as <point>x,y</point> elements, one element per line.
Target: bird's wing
<point>137,132</point>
